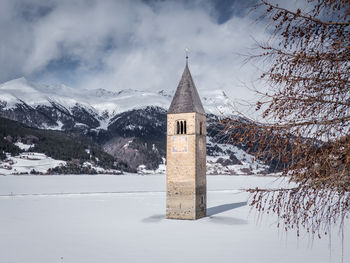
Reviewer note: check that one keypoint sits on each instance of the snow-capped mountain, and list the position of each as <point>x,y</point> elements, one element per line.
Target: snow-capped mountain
<point>63,107</point>
<point>128,124</point>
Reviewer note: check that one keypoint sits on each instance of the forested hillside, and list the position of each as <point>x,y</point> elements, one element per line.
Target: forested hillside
<point>68,146</point>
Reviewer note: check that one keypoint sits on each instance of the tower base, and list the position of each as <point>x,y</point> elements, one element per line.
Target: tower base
<point>183,203</point>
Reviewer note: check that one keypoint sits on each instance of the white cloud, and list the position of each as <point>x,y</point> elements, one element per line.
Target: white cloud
<point>130,44</point>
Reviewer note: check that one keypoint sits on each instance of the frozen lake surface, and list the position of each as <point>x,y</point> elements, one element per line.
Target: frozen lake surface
<point>104,218</point>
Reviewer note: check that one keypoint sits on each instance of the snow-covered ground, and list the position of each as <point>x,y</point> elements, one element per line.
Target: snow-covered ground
<point>24,146</point>
<point>28,161</point>
<point>249,164</point>
<point>121,219</point>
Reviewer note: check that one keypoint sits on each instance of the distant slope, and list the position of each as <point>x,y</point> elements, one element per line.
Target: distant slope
<point>59,145</point>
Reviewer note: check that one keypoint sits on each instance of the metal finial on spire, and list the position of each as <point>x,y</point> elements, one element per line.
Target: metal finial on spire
<point>186,51</point>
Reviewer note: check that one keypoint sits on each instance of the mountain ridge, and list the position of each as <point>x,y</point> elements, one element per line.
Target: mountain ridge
<point>102,104</point>
<point>128,124</point>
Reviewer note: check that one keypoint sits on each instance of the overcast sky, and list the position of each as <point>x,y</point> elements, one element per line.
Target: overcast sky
<point>129,44</point>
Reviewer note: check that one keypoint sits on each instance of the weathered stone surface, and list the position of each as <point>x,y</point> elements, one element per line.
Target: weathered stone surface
<point>186,168</point>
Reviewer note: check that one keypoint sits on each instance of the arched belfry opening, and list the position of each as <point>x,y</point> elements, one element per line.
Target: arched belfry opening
<point>181,127</point>
<point>186,153</point>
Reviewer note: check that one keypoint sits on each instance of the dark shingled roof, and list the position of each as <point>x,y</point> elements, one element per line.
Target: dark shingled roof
<point>186,98</point>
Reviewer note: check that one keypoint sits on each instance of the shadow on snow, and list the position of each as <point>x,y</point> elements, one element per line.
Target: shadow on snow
<point>211,215</point>
<point>223,208</point>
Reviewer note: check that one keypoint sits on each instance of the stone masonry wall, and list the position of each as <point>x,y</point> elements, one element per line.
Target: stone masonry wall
<point>186,179</point>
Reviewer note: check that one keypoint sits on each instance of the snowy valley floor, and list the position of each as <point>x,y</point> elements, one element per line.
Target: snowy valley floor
<point>102,219</point>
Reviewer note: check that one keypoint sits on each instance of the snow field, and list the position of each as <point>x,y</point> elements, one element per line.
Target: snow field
<point>27,161</point>
<point>122,220</point>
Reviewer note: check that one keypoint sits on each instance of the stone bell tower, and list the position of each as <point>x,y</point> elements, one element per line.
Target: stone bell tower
<point>186,153</point>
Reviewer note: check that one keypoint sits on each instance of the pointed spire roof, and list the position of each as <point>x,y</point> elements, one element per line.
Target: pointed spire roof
<point>186,98</point>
